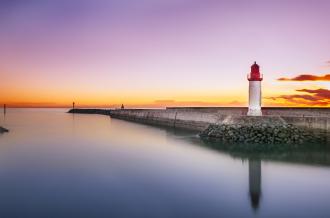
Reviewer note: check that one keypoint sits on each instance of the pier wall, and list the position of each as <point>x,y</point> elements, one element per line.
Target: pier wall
<point>195,118</point>
<point>178,119</point>
<point>273,111</point>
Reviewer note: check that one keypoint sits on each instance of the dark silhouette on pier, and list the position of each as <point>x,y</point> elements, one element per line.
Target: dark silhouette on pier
<point>73,107</point>
<point>122,106</point>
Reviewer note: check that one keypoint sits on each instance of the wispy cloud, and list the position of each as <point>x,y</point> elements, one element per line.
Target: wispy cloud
<point>307,77</point>
<point>310,97</point>
<point>319,93</point>
<point>327,64</point>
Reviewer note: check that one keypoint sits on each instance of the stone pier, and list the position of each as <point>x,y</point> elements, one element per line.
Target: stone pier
<point>199,118</point>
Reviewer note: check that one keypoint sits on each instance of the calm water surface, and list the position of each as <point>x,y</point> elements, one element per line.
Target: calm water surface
<point>54,164</point>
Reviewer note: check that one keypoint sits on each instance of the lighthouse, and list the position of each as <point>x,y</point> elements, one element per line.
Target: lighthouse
<point>255,79</point>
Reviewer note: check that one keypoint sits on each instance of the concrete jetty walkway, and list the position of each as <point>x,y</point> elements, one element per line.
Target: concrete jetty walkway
<point>199,118</point>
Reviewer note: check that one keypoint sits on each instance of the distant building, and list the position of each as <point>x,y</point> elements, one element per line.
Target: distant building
<point>255,79</point>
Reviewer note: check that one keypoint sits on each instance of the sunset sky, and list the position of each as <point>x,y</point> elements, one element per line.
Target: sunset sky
<point>157,53</point>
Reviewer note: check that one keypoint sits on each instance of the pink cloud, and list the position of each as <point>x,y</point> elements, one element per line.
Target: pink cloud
<point>307,77</point>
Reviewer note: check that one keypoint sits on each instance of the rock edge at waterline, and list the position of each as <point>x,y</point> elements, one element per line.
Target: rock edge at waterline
<point>2,130</point>
<point>260,134</point>
<point>259,130</point>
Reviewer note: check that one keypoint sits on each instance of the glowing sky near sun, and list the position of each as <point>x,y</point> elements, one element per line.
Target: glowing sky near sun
<point>153,53</point>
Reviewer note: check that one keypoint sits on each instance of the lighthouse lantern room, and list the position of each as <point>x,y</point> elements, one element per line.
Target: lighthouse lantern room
<point>255,79</point>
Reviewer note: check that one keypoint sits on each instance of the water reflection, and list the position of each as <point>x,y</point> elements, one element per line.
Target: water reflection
<point>255,182</point>
<point>310,154</point>
<point>104,167</point>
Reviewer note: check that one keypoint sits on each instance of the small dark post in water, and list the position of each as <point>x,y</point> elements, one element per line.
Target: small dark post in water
<point>73,104</point>
<point>4,108</point>
<point>122,106</point>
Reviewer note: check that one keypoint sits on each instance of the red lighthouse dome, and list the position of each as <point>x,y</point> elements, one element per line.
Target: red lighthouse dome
<point>255,73</point>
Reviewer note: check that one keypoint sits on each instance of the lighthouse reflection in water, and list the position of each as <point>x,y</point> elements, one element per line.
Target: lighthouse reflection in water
<point>255,182</point>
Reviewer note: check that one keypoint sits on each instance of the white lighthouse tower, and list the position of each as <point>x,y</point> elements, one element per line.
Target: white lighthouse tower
<point>255,79</point>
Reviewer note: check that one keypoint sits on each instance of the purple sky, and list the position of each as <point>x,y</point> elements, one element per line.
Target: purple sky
<point>140,51</point>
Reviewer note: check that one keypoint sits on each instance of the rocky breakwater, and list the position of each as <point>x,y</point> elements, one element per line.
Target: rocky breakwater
<point>2,130</point>
<point>259,130</point>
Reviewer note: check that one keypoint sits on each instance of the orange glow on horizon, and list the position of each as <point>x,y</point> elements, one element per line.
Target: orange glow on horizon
<point>43,97</point>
